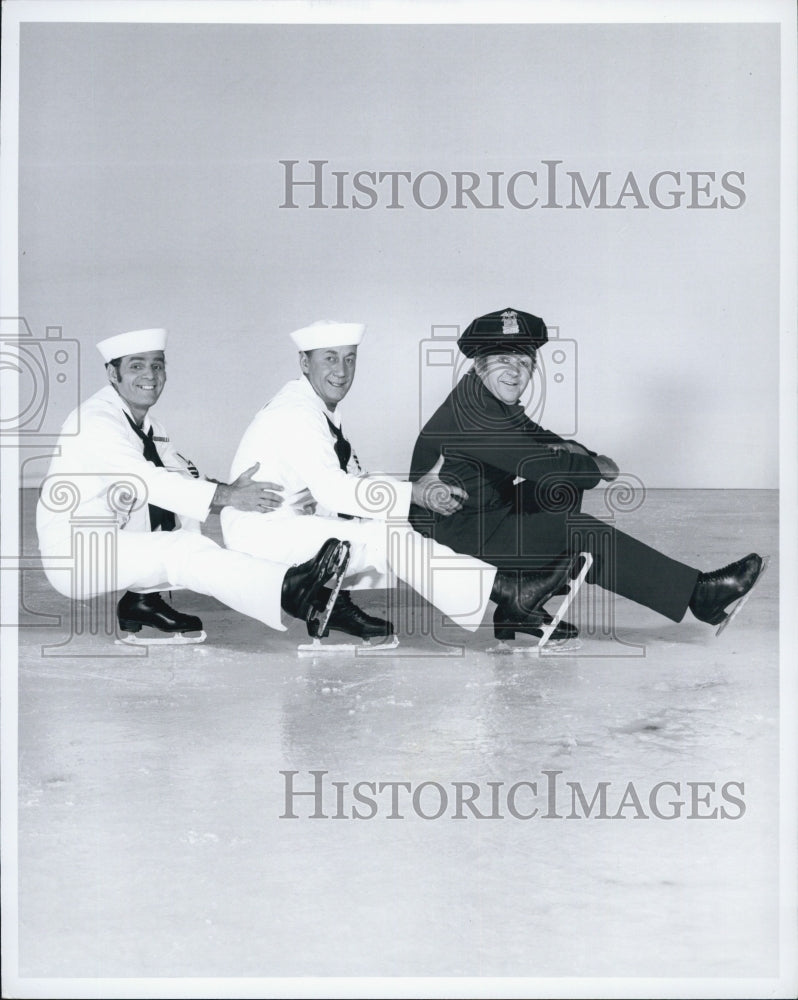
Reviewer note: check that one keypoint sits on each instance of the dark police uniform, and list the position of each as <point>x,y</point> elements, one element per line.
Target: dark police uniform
<point>486,444</point>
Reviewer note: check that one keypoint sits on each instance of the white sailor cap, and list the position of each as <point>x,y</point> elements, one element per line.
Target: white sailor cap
<point>134,342</point>
<point>328,333</point>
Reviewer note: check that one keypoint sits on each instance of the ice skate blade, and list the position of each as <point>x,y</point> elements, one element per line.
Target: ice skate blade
<point>178,639</point>
<point>317,647</point>
<point>740,603</point>
<point>563,647</point>
<point>573,589</point>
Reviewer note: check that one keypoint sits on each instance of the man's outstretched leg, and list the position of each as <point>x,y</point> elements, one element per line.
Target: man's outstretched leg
<point>629,567</point>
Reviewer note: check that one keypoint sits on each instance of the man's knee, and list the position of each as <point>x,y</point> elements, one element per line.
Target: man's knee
<point>183,548</point>
<point>551,495</point>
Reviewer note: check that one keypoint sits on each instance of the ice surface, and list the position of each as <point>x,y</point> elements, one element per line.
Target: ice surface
<point>150,837</point>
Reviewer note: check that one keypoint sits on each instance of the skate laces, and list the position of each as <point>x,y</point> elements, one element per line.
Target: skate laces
<point>156,603</point>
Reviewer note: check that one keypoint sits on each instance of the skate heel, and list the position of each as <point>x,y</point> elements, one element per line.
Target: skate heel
<point>503,633</point>
<point>129,626</point>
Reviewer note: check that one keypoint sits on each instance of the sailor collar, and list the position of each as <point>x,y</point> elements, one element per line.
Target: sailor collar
<point>334,416</point>
<point>112,396</point>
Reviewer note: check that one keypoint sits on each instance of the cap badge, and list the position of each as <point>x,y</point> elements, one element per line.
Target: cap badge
<point>510,322</point>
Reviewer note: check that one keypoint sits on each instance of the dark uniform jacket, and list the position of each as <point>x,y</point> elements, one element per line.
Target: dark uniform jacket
<point>486,445</point>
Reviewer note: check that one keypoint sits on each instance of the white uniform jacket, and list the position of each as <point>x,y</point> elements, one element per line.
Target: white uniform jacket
<point>292,441</point>
<point>101,473</point>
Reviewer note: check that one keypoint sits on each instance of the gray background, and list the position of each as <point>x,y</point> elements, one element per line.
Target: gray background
<point>150,184</point>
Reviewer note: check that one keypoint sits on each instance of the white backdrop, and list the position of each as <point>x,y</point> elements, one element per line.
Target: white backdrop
<point>151,185</point>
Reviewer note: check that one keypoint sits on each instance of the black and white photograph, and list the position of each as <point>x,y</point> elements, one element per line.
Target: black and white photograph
<point>399,496</point>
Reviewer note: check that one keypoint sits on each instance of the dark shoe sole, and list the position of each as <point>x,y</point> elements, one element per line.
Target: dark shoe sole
<point>505,633</point>
<point>358,634</point>
<point>126,625</point>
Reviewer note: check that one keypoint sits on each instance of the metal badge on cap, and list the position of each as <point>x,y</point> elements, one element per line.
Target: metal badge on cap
<point>510,322</point>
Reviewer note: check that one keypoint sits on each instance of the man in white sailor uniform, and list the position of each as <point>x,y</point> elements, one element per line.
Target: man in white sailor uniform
<point>297,439</point>
<point>115,463</point>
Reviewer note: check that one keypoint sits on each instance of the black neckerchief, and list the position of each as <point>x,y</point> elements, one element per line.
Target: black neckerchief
<point>343,449</point>
<point>159,518</point>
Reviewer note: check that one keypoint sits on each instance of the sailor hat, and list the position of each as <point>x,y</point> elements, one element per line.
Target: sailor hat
<point>134,342</point>
<point>505,330</point>
<point>328,333</point>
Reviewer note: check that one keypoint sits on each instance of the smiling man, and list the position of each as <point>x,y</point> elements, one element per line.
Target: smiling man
<point>116,465</point>
<point>524,485</point>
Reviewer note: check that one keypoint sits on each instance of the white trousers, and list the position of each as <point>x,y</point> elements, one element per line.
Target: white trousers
<point>382,551</point>
<point>103,560</point>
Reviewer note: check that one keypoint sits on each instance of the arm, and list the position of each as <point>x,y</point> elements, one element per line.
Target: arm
<point>118,455</point>
<point>245,494</point>
<point>473,428</point>
<point>315,463</point>
<point>104,447</point>
<point>521,455</point>
<point>606,466</point>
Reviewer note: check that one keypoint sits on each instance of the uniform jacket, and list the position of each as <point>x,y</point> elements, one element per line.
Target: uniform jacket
<point>486,445</point>
<point>292,441</point>
<point>101,472</point>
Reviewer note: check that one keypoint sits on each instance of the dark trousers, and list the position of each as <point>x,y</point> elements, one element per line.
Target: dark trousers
<point>533,531</point>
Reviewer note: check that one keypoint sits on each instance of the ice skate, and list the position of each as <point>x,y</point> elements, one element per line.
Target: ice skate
<point>376,634</point>
<point>552,632</point>
<point>720,595</point>
<point>137,611</point>
<point>305,594</point>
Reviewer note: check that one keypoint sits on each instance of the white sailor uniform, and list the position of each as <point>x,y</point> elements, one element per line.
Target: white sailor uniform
<point>294,444</point>
<point>100,480</point>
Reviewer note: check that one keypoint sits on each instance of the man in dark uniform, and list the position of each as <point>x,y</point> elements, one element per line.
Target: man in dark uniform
<point>485,441</point>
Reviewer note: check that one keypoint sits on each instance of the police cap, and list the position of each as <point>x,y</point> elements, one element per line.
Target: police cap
<point>505,330</point>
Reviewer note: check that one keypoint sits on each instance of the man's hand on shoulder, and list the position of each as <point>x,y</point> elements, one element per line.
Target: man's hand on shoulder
<point>434,494</point>
<point>246,494</point>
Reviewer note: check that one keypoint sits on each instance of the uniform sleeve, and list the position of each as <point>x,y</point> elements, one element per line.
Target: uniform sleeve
<point>526,453</point>
<point>314,460</point>
<point>545,437</point>
<point>474,429</point>
<point>116,454</point>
